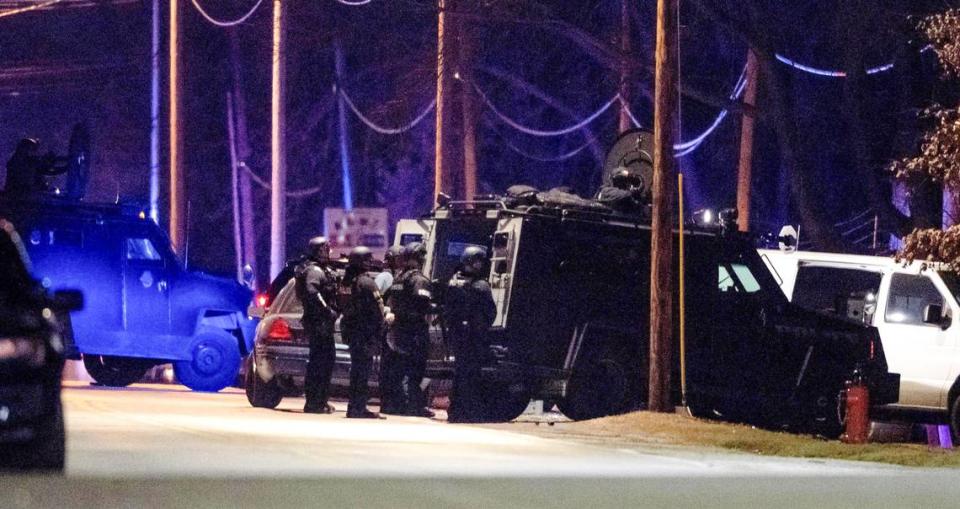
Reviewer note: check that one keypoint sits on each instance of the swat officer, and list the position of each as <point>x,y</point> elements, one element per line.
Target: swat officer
<point>361,325</point>
<point>411,330</point>
<point>316,287</point>
<point>27,171</point>
<point>628,193</point>
<point>391,396</point>
<point>469,310</point>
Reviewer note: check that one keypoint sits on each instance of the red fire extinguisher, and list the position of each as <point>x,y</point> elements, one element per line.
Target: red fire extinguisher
<point>857,418</point>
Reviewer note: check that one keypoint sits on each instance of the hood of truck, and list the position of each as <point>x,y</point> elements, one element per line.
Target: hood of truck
<point>202,290</point>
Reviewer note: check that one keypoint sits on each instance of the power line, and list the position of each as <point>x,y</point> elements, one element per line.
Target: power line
<point>387,130</point>
<point>226,24</point>
<point>546,133</point>
<point>29,8</point>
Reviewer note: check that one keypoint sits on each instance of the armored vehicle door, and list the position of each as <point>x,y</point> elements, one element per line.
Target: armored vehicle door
<point>146,285</point>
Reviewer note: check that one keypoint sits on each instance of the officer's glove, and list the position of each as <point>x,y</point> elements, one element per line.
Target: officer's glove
<point>389,318</point>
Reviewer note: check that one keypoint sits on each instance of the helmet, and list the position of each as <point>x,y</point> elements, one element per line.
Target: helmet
<point>415,250</point>
<point>360,256</point>
<point>472,254</point>
<point>318,247</point>
<point>393,253</point>
<point>623,178</point>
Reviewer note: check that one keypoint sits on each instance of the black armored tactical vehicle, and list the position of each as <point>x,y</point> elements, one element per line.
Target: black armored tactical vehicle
<point>570,278</point>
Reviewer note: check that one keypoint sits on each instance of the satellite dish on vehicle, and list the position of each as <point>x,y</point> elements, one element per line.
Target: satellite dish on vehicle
<point>632,151</point>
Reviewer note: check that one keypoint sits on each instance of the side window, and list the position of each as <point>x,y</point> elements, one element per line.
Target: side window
<point>850,293</point>
<point>909,295</point>
<point>726,281</point>
<point>142,249</point>
<point>747,281</point>
<point>737,278</point>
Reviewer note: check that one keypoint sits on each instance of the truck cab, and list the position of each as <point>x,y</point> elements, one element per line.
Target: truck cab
<point>144,307</point>
<point>914,307</point>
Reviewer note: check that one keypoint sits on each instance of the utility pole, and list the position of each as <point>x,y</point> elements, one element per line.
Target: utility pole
<point>278,163</point>
<point>625,74</point>
<point>155,113</point>
<point>664,176</point>
<point>469,109</point>
<point>248,239</point>
<point>342,125</point>
<point>744,175</point>
<point>445,69</point>
<point>177,196</point>
<point>234,187</point>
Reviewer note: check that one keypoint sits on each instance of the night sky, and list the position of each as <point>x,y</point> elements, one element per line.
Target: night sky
<point>71,63</point>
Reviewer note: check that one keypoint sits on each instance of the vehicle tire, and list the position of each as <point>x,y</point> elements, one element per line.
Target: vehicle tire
<point>504,402</point>
<point>215,362</point>
<point>115,371</point>
<point>261,394</point>
<point>597,389</point>
<point>954,417</point>
<point>47,450</point>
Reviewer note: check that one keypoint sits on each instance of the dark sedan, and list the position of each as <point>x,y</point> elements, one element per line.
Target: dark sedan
<point>31,362</point>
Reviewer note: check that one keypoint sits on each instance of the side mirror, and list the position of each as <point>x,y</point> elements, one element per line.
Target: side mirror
<point>247,276</point>
<point>68,300</point>
<point>933,315</point>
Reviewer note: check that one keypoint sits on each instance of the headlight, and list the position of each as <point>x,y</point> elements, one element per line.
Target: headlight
<point>30,350</point>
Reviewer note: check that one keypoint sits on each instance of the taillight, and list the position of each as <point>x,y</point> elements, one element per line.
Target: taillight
<point>263,300</point>
<point>279,331</point>
<point>873,348</point>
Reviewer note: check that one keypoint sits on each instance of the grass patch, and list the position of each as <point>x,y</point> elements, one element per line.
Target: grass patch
<point>672,429</point>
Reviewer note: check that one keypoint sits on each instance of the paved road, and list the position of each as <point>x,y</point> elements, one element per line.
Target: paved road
<point>164,446</point>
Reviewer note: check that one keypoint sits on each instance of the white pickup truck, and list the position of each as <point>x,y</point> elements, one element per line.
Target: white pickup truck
<point>913,307</point>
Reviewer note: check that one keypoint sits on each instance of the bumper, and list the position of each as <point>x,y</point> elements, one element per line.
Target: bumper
<point>291,361</point>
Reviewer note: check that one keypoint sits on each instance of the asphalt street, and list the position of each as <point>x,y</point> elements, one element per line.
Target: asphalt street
<point>164,446</point>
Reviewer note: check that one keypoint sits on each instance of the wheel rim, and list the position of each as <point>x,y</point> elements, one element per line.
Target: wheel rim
<point>207,359</point>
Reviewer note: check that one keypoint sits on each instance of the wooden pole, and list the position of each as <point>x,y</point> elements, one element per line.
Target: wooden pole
<point>278,166</point>
<point>664,176</point>
<point>248,237</point>
<point>744,175</point>
<point>469,111</point>
<point>625,76</point>
<point>177,198</point>
<point>442,159</point>
<point>234,188</point>
<point>155,113</point>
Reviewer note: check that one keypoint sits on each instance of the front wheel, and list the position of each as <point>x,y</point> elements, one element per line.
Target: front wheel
<point>115,371</point>
<point>260,394</point>
<point>504,402</point>
<point>214,364</point>
<point>597,389</point>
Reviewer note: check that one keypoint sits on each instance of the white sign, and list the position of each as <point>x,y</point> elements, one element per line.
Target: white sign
<point>357,227</point>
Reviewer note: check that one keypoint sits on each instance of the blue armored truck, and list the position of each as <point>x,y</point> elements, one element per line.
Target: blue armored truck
<point>143,307</point>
